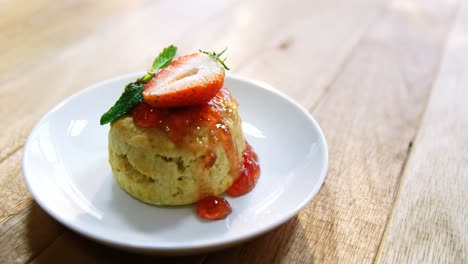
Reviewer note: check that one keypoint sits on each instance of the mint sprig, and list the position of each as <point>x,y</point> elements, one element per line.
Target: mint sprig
<point>132,93</point>
<point>129,98</point>
<point>216,57</point>
<point>161,61</point>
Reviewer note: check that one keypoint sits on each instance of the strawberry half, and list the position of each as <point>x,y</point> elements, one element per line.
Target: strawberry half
<point>189,80</point>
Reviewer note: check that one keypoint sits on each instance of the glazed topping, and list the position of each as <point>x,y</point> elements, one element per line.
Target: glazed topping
<point>182,122</point>
<point>144,115</point>
<point>213,208</point>
<point>249,176</point>
<point>186,126</point>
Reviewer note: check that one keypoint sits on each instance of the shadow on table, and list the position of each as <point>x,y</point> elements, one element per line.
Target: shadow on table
<point>50,242</point>
<point>273,247</point>
<point>141,216</point>
<point>47,241</point>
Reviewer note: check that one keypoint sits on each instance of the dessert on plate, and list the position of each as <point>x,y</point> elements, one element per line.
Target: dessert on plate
<point>176,136</point>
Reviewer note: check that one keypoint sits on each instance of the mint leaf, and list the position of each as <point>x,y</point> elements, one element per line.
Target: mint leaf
<point>132,93</point>
<point>164,58</point>
<point>162,61</point>
<point>129,98</point>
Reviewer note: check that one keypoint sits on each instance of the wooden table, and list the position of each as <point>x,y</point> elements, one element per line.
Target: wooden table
<point>386,80</point>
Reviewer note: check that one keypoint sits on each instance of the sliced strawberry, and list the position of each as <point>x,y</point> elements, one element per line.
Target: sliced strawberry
<point>189,80</point>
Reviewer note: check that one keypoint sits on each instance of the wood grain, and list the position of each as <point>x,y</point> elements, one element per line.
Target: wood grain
<point>13,192</point>
<point>430,219</point>
<point>369,114</point>
<point>28,233</point>
<point>305,54</point>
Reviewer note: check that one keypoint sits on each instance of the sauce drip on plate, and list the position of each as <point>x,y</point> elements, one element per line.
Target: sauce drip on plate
<point>215,208</point>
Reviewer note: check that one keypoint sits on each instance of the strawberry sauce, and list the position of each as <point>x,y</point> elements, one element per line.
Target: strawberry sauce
<point>249,175</point>
<point>144,115</point>
<point>213,208</point>
<point>184,126</point>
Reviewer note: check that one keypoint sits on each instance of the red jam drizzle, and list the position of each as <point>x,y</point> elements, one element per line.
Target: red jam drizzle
<point>182,125</point>
<point>249,175</point>
<point>144,115</point>
<point>213,208</point>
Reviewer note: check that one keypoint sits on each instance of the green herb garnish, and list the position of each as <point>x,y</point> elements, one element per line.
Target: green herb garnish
<point>132,93</point>
<point>129,98</point>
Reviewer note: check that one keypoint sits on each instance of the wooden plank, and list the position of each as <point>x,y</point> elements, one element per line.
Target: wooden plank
<point>32,235</point>
<point>303,56</point>
<point>259,35</point>
<point>31,33</point>
<point>430,219</point>
<point>13,193</point>
<point>369,114</point>
<point>30,232</point>
<point>45,19</point>
<point>20,245</point>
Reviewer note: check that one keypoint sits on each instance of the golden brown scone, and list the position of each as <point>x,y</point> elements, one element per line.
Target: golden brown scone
<point>192,152</point>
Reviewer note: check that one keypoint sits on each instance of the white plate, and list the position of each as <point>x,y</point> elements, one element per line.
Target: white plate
<point>66,170</point>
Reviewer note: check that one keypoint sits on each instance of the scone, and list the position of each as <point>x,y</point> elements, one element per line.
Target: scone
<point>189,153</point>
<point>176,136</point>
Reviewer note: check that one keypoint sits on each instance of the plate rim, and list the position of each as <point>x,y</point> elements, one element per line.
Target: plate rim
<point>204,246</point>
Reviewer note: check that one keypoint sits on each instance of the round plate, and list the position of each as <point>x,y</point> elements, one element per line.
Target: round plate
<point>66,169</point>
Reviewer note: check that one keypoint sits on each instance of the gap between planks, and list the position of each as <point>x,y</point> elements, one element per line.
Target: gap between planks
<point>411,143</point>
<point>395,198</point>
<point>11,153</point>
<point>424,178</point>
